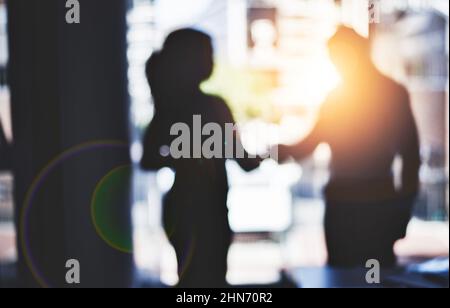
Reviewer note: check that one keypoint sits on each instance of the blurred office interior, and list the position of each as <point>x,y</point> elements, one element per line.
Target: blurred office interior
<point>273,68</point>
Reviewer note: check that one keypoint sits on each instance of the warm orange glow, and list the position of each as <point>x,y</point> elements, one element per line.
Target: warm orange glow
<point>322,77</point>
<point>307,83</point>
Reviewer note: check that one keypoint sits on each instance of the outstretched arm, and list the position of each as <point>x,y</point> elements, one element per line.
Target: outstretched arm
<point>245,160</point>
<point>153,158</point>
<point>247,163</point>
<point>303,149</point>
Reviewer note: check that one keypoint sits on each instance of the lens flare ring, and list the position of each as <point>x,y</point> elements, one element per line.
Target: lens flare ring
<point>101,229</point>
<point>34,188</point>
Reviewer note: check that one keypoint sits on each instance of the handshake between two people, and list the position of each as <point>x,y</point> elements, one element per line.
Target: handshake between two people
<point>280,153</point>
<point>284,153</point>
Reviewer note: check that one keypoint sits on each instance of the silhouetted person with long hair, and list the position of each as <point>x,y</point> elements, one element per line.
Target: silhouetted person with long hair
<point>367,122</point>
<point>195,209</point>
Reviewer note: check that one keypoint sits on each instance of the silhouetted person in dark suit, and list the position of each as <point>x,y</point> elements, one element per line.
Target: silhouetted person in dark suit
<point>195,209</point>
<point>367,121</point>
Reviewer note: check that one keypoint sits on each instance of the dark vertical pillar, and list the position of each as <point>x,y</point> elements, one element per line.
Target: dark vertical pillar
<point>36,121</point>
<point>68,91</point>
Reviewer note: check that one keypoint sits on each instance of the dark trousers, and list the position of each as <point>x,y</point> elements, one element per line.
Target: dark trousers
<point>201,239</point>
<point>356,233</point>
<point>202,260</point>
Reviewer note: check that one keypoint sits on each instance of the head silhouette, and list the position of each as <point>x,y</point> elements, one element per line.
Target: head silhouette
<point>349,52</point>
<point>183,63</point>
